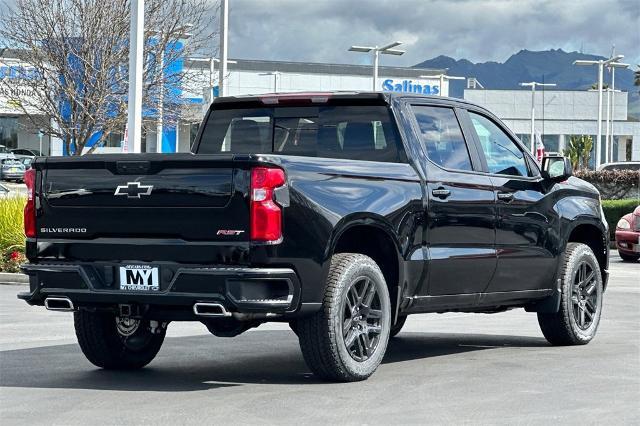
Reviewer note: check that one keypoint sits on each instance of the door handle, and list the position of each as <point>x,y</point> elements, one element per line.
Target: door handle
<point>505,196</point>
<point>441,193</point>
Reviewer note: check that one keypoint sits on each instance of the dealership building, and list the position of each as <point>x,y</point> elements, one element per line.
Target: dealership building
<point>559,114</point>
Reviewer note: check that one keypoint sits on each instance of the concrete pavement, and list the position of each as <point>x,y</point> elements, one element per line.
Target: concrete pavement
<point>451,368</point>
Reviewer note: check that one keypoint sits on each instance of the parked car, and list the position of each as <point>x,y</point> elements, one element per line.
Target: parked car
<point>5,153</point>
<point>23,152</point>
<point>12,169</point>
<point>339,213</point>
<point>4,191</point>
<point>628,236</point>
<point>622,165</point>
<point>26,162</point>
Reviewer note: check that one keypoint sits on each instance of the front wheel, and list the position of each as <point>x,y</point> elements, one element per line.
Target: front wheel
<point>628,257</point>
<point>347,339</point>
<point>116,343</point>
<point>576,322</point>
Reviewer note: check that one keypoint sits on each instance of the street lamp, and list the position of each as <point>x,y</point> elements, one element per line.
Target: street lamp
<point>276,76</point>
<point>385,50</point>
<point>442,78</point>
<point>136,39</point>
<point>609,141</point>
<point>601,64</point>
<point>533,85</point>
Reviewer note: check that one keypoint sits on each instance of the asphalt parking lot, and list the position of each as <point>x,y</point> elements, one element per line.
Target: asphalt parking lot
<point>452,368</point>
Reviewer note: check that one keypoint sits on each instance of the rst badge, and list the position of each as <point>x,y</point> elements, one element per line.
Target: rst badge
<point>233,232</point>
<point>133,190</point>
<point>139,278</point>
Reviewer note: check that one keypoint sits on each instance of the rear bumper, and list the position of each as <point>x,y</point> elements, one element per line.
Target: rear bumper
<point>239,290</point>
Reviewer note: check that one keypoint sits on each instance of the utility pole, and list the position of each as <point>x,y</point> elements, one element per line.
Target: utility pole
<point>136,38</point>
<point>533,85</point>
<point>224,42</point>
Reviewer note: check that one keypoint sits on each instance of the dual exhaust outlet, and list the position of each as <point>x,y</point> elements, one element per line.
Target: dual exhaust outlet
<point>202,309</point>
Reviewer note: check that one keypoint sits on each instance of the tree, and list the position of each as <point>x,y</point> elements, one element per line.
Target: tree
<point>636,77</point>
<point>72,61</point>
<point>579,151</point>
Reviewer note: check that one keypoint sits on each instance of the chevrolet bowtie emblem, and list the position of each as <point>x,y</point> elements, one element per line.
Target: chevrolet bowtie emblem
<point>133,190</point>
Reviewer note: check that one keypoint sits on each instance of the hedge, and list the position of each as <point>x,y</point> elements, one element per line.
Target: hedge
<point>615,209</point>
<point>11,233</point>
<point>613,184</point>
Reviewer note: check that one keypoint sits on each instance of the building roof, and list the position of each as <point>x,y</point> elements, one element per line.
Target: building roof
<point>318,68</point>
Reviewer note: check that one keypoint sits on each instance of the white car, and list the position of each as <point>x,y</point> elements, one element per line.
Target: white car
<point>5,153</point>
<point>622,165</point>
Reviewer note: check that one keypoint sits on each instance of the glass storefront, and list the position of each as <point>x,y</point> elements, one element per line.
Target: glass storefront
<point>9,132</point>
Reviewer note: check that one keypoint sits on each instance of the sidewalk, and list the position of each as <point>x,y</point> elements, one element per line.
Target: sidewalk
<point>13,279</point>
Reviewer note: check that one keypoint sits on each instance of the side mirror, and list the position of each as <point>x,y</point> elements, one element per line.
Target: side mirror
<point>556,168</point>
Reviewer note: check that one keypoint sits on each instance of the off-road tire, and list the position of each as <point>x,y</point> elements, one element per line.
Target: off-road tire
<point>321,335</point>
<point>395,328</point>
<point>562,328</point>
<point>629,257</point>
<point>105,347</point>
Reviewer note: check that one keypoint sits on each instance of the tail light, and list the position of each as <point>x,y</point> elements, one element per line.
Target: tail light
<point>266,215</point>
<point>30,207</point>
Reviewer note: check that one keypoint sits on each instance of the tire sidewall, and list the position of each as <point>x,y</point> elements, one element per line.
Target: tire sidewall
<point>583,253</point>
<point>364,268</point>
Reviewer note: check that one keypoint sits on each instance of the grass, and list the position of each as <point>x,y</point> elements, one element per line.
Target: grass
<point>11,225</point>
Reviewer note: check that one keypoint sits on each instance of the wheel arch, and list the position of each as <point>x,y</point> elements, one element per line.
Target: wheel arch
<point>373,237</point>
<point>595,237</point>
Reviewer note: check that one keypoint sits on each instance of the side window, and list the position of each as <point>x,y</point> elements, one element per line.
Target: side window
<point>503,156</point>
<point>442,137</point>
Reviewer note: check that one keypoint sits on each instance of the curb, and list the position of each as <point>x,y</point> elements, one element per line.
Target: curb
<point>13,279</point>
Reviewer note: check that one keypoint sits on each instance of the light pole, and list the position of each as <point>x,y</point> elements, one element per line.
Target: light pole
<point>609,120</point>
<point>442,77</point>
<point>601,64</point>
<point>136,38</point>
<point>224,43</point>
<point>533,85</point>
<point>385,50</point>
<point>609,140</point>
<point>276,77</point>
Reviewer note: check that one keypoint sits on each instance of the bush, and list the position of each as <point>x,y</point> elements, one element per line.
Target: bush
<point>615,209</point>
<point>613,184</point>
<point>11,233</point>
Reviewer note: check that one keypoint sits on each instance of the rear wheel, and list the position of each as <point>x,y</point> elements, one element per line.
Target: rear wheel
<point>628,257</point>
<point>116,343</point>
<point>347,339</point>
<point>576,322</point>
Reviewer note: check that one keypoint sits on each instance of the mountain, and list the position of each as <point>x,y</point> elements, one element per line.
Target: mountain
<point>551,66</point>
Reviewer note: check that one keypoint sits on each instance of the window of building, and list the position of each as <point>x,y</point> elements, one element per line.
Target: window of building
<point>350,132</point>
<point>503,156</point>
<point>9,132</point>
<point>442,137</point>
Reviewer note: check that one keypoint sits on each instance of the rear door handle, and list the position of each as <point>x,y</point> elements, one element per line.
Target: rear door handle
<point>441,193</point>
<point>505,196</point>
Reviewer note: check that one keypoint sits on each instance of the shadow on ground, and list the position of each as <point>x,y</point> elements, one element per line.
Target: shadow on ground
<point>206,362</point>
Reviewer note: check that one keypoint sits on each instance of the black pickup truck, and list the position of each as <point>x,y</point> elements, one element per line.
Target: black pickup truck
<point>339,213</point>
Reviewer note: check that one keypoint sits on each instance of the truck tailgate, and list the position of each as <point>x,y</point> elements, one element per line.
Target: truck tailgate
<point>157,200</point>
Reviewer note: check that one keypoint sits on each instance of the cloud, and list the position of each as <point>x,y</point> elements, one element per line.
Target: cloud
<point>323,30</point>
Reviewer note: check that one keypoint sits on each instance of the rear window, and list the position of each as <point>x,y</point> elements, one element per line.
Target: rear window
<point>351,132</point>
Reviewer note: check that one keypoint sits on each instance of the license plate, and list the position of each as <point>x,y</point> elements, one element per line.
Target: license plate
<point>13,170</point>
<point>139,278</point>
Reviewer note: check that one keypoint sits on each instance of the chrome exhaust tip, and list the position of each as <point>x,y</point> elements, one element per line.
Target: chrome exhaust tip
<point>60,304</point>
<point>205,309</point>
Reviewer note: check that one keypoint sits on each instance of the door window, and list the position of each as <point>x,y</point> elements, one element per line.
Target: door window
<point>441,135</point>
<point>503,155</point>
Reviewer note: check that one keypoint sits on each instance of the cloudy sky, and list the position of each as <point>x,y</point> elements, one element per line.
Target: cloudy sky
<point>478,30</point>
